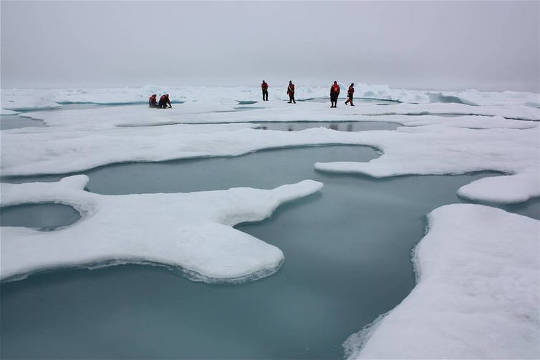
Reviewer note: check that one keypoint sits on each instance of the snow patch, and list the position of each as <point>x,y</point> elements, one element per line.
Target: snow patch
<point>509,189</point>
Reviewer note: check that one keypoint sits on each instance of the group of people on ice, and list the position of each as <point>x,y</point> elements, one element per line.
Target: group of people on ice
<point>334,93</point>
<point>163,103</point>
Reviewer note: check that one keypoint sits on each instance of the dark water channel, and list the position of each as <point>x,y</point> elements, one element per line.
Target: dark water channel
<point>347,260</point>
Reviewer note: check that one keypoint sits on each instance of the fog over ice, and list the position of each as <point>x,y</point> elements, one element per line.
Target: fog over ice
<point>486,45</point>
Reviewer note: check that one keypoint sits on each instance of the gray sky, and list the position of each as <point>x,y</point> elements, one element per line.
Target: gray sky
<point>431,44</point>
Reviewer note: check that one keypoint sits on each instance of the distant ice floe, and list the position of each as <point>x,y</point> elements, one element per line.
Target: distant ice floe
<point>29,99</point>
<point>35,99</point>
<point>192,230</point>
<point>518,112</point>
<point>477,294</point>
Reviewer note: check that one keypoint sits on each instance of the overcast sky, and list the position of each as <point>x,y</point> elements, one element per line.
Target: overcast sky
<point>430,44</point>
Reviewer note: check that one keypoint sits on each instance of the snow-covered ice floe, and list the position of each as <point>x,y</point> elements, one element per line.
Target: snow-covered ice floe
<point>448,150</point>
<point>27,99</point>
<point>477,294</point>
<point>188,230</point>
<point>76,140</point>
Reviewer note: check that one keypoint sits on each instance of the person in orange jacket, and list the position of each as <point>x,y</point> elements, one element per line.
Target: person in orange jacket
<point>334,93</point>
<point>164,101</point>
<point>290,92</point>
<point>350,93</point>
<point>264,88</point>
<point>152,101</point>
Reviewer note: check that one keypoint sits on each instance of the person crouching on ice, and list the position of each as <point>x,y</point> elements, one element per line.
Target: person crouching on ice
<point>152,101</point>
<point>350,93</point>
<point>264,88</point>
<point>334,93</point>
<point>164,101</point>
<point>290,92</point>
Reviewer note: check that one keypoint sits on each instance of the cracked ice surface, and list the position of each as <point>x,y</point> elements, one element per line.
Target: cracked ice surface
<point>477,294</point>
<point>192,230</point>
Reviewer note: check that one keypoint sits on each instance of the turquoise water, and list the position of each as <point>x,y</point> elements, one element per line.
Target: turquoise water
<point>347,260</point>
<point>302,125</point>
<point>334,125</point>
<point>16,122</point>
<point>243,108</point>
<point>343,97</point>
<point>44,216</point>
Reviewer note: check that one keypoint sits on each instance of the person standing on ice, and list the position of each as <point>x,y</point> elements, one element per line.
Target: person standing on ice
<point>350,93</point>
<point>264,88</point>
<point>290,92</point>
<point>152,101</point>
<point>164,101</point>
<point>334,93</point>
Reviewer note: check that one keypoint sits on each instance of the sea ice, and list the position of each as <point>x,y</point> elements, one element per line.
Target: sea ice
<point>27,99</point>
<point>76,140</point>
<point>192,230</point>
<point>447,150</point>
<point>477,295</point>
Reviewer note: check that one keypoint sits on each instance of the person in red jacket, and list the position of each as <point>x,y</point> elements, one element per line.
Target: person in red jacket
<point>290,92</point>
<point>350,93</point>
<point>334,93</point>
<point>164,101</point>
<point>152,101</point>
<point>264,88</point>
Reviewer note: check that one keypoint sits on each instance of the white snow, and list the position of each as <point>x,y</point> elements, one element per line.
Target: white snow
<point>504,189</point>
<point>522,112</point>
<point>76,140</point>
<point>28,99</point>
<point>46,98</point>
<point>192,230</point>
<point>477,296</point>
<point>447,150</point>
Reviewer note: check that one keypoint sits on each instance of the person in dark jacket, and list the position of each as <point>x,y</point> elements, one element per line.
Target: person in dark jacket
<point>350,93</point>
<point>334,93</point>
<point>264,88</point>
<point>152,101</point>
<point>164,101</point>
<point>290,92</point>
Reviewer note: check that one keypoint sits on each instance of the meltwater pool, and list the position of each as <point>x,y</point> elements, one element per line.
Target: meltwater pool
<point>347,261</point>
